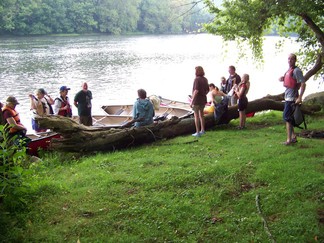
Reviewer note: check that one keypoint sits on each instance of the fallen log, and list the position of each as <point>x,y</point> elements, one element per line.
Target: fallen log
<point>79,138</point>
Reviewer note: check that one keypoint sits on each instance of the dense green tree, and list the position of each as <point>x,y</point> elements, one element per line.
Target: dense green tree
<point>38,17</point>
<point>7,14</point>
<point>127,15</point>
<point>249,21</point>
<point>155,16</point>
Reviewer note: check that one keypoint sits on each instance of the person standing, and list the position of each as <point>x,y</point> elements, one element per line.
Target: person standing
<point>82,101</point>
<point>233,79</point>
<point>293,80</point>
<point>241,93</point>
<point>62,105</point>
<point>39,105</point>
<point>11,117</point>
<point>199,98</point>
<point>223,84</point>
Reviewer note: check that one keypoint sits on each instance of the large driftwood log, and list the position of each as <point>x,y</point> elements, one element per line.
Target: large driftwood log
<point>79,138</point>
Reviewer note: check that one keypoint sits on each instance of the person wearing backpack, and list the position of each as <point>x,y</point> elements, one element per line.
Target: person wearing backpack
<point>295,85</point>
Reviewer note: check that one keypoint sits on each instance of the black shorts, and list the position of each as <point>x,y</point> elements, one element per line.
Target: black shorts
<point>242,104</point>
<point>288,111</point>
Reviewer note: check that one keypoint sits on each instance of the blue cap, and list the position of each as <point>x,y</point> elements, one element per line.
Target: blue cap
<point>64,88</point>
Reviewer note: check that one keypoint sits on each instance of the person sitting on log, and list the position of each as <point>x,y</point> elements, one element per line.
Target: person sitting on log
<point>143,111</point>
<point>214,97</point>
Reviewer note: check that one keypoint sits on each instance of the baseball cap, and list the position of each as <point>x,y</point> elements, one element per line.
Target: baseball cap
<point>12,100</point>
<point>64,88</point>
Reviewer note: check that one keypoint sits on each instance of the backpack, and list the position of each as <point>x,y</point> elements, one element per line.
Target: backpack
<point>220,112</point>
<point>50,107</point>
<point>298,117</point>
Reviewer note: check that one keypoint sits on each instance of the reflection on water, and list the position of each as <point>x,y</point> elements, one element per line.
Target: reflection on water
<point>115,67</point>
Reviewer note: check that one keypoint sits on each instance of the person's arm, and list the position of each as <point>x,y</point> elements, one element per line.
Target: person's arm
<point>222,93</point>
<point>32,102</point>
<point>49,99</point>
<point>11,121</point>
<point>194,94</point>
<point>75,102</point>
<point>241,91</point>
<point>301,92</point>
<point>57,106</point>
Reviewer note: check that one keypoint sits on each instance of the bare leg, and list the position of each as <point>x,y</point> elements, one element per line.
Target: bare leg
<point>196,115</point>
<point>202,120</point>
<point>242,118</point>
<point>290,131</point>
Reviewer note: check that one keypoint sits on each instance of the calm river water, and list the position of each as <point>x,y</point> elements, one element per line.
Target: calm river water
<point>115,67</point>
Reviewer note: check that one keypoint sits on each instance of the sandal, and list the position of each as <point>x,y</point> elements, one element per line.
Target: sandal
<point>287,143</point>
<point>294,140</point>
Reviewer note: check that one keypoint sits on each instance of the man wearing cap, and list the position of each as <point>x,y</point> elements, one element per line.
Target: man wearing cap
<point>11,117</point>
<point>39,105</point>
<point>62,105</point>
<point>82,101</point>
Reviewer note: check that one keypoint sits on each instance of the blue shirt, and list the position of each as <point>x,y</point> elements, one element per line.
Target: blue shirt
<point>143,108</point>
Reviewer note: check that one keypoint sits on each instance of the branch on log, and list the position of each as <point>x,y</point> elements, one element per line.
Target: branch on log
<point>79,138</point>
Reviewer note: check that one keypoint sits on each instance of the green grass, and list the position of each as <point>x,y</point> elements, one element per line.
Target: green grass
<point>179,190</point>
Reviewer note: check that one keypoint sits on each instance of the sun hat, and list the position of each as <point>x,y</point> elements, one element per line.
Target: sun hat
<point>64,88</point>
<point>12,100</point>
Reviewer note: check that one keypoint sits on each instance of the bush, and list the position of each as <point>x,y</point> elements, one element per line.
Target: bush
<point>13,159</point>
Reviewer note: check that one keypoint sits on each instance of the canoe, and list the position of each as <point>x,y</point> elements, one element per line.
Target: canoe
<point>164,112</point>
<point>174,103</point>
<point>40,141</point>
<point>107,121</point>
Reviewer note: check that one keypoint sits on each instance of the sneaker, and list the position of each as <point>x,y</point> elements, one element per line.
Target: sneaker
<point>197,134</point>
<point>202,132</point>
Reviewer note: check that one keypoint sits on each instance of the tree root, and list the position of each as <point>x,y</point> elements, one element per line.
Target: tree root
<point>265,224</point>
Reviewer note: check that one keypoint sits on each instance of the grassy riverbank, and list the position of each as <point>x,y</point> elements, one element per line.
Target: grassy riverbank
<point>179,190</point>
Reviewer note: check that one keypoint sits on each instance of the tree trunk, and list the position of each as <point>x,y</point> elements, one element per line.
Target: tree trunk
<point>79,138</point>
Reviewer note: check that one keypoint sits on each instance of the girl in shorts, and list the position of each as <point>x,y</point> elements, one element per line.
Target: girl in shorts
<point>241,92</point>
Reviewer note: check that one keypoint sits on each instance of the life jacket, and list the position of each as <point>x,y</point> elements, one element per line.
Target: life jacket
<point>289,80</point>
<point>14,115</point>
<point>68,112</point>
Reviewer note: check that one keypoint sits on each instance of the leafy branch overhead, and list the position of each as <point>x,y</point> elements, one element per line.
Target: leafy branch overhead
<point>250,20</point>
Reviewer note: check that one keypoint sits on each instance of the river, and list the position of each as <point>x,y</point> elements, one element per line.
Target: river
<point>116,66</point>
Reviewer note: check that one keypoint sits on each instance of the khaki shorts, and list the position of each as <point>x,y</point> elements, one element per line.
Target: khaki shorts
<point>197,108</point>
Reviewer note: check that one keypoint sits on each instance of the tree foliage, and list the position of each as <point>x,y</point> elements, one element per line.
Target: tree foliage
<point>39,17</point>
<point>249,20</point>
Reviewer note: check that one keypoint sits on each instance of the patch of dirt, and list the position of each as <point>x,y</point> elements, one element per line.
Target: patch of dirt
<point>311,134</point>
